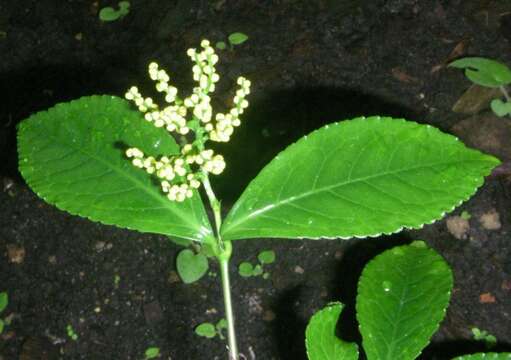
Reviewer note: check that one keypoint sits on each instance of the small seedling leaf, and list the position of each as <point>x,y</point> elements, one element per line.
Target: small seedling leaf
<point>124,7</point>
<point>402,297</point>
<point>500,108</point>
<point>320,338</point>
<point>266,257</point>
<point>109,14</point>
<point>190,266</point>
<point>465,215</point>
<point>221,324</point>
<point>73,156</point>
<point>206,330</point>
<point>237,38</point>
<point>221,45</point>
<point>358,178</point>
<point>485,336</point>
<point>258,270</point>
<point>245,269</point>
<point>4,301</point>
<point>485,356</point>
<point>484,72</point>
<point>152,352</point>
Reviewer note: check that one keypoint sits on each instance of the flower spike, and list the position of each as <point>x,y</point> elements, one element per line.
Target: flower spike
<point>193,116</point>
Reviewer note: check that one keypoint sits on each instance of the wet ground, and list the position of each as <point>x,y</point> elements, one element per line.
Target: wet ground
<point>311,63</point>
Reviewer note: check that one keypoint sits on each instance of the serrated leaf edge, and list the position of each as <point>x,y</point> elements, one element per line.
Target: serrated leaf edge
<point>420,226</point>
<point>443,311</point>
<point>21,128</point>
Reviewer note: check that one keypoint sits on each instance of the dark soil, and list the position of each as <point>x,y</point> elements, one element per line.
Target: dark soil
<point>311,63</point>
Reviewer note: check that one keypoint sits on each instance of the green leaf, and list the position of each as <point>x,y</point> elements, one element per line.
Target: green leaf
<point>500,108</point>
<point>191,267</point>
<point>258,270</point>
<point>73,156</point>
<point>109,14</point>
<point>4,301</point>
<point>237,38</point>
<point>152,352</point>
<point>266,257</point>
<point>361,177</point>
<point>220,45</point>
<point>221,324</point>
<point>483,335</point>
<point>206,330</point>
<point>245,269</point>
<point>320,338</point>
<point>485,356</point>
<point>124,7</point>
<point>402,297</point>
<point>465,215</point>
<point>484,72</point>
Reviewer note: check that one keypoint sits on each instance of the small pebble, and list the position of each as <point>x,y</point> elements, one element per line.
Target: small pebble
<point>490,220</point>
<point>299,270</point>
<point>15,253</point>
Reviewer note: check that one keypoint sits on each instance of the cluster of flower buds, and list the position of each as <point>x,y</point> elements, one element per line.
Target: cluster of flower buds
<point>176,173</point>
<point>225,123</point>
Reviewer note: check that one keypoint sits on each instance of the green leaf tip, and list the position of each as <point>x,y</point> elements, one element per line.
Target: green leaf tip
<point>320,336</point>
<point>358,178</point>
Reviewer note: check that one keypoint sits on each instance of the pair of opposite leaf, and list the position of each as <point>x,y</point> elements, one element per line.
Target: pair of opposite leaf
<point>355,178</point>
<point>362,177</point>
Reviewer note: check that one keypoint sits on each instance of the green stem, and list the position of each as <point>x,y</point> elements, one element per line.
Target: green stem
<point>229,315</point>
<point>223,254</point>
<point>504,91</point>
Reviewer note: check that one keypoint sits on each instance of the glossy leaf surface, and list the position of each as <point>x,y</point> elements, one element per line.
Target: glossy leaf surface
<point>361,177</point>
<point>320,338</point>
<point>485,356</point>
<point>72,156</point>
<point>484,72</point>
<point>402,297</point>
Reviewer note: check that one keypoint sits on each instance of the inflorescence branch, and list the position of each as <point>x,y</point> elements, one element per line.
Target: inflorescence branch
<point>180,174</point>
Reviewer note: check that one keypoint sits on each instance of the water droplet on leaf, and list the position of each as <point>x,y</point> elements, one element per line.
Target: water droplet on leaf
<point>387,285</point>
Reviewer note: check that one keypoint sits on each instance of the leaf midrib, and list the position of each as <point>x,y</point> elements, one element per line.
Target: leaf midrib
<point>126,175</point>
<point>279,203</point>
